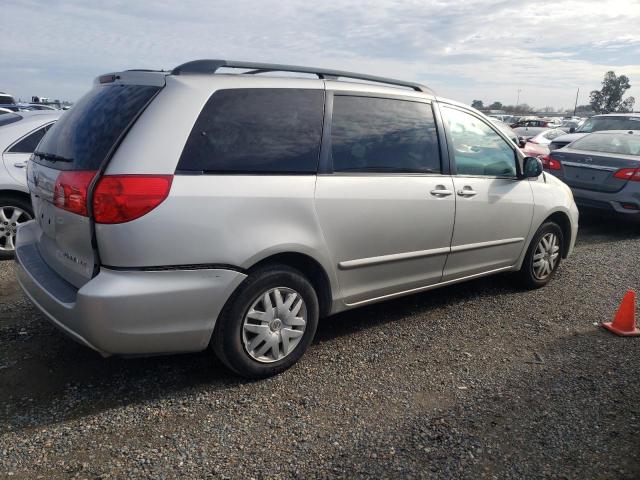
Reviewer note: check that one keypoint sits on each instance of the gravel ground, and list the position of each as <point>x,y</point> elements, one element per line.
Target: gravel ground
<point>480,380</point>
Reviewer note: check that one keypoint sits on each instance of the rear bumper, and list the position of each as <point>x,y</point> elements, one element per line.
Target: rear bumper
<point>610,202</point>
<point>127,312</point>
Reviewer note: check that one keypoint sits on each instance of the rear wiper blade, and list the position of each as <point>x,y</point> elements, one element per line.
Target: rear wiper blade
<point>52,157</point>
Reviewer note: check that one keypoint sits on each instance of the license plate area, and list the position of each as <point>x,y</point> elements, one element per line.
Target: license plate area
<point>585,176</point>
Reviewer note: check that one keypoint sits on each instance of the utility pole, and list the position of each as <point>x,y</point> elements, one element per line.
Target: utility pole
<point>576,105</point>
<point>518,100</point>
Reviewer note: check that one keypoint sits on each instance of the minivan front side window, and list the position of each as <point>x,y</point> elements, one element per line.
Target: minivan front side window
<point>383,135</point>
<point>478,149</point>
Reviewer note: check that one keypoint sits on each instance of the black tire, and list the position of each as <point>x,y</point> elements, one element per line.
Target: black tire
<point>11,200</point>
<point>526,273</point>
<point>227,341</point>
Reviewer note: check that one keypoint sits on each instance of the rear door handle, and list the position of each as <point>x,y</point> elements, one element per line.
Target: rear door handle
<point>20,164</point>
<point>467,191</point>
<point>441,191</point>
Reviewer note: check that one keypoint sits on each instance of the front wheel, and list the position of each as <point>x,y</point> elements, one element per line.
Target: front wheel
<point>268,323</point>
<point>543,257</point>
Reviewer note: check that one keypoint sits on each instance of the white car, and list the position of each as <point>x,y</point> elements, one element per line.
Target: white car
<point>20,133</point>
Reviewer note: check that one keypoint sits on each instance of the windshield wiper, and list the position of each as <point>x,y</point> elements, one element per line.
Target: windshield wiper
<point>52,157</point>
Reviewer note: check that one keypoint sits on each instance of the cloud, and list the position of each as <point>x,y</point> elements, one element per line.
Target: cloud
<point>471,49</point>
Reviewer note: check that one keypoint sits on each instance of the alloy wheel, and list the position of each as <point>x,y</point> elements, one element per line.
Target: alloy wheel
<point>11,218</point>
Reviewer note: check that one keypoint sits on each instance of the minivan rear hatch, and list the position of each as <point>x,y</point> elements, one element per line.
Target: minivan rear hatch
<point>68,162</point>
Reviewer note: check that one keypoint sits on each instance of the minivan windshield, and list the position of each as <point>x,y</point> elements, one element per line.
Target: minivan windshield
<point>597,124</point>
<point>84,135</point>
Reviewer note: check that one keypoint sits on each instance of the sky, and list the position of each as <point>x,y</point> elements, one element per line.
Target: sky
<point>465,50</point>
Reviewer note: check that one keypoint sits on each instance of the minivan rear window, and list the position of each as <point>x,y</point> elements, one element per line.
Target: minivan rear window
<point>256,130</point>
<point>84,135</point>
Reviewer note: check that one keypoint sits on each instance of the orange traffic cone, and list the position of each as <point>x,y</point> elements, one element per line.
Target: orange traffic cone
<point>624,323</point>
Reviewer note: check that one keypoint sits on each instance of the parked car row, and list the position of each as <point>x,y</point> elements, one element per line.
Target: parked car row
<point>598,160</point>
<point>8,104</point>
<point>176,211</point>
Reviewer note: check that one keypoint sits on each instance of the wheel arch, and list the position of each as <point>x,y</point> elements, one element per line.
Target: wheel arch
<point>563,221</point>
<point>313,270</point>
<point>14,193</point>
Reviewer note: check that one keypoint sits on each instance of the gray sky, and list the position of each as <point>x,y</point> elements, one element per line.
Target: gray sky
<point>484,49</point>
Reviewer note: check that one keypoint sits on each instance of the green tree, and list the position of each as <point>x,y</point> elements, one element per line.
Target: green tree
<point>609,98</point>
<point>520,109</point>
<point>477,104</point>
<point>495,106</point>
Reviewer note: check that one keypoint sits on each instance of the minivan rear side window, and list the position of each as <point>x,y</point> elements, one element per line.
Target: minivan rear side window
<point>383,135</point>
<point>256,130</point>
<point>84,135</point>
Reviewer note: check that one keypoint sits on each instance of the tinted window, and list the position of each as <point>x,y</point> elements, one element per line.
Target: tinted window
<point>256,131</point>
<point>7,118</point>
<point>598,124</point>
<point>624,143</point>
<point>84,135</point>
<point>377,134</point>
<point>29,143</point>
<point>478,149</point>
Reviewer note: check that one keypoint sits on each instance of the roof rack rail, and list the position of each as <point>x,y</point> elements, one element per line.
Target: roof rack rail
<point>211,66</point>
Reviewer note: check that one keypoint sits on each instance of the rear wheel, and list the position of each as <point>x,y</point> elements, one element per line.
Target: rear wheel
<point>543,256</point>
<point>268,323</point>
<point>14,211</point>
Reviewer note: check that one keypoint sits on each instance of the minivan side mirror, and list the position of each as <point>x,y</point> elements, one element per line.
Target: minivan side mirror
<point>572,129</point>
<point>531,167</point>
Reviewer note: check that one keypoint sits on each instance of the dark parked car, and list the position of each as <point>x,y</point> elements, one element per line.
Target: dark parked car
<point>603,171</point>
<point>598,123</point>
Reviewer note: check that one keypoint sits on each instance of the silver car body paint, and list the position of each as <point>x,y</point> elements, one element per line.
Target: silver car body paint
<point>376,236</point>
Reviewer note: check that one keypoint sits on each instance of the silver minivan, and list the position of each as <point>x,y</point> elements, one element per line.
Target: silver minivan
<point>227,205</point>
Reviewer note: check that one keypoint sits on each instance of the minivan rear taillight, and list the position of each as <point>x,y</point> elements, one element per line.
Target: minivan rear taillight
<point>70,191</point>
<point>122,198</point>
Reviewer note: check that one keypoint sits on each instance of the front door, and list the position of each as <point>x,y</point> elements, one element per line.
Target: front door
<point>494,208</point>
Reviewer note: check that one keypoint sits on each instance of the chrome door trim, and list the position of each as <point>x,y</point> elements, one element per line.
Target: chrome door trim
<point>587,165</point>
<point>398,257</point>
<point>492,243</point>
<point>394,257</point>
<point>428,287</point>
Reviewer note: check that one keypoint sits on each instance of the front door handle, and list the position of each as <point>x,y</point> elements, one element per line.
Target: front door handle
<point>441,191</point>
<point>467,191</point>
<point>20,164</point>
